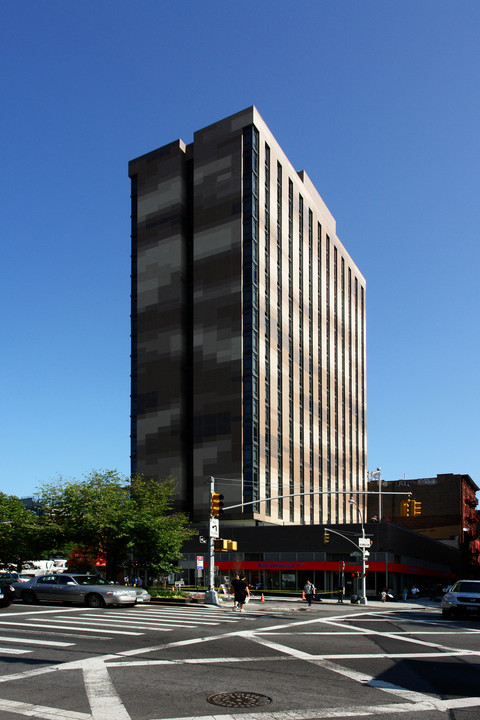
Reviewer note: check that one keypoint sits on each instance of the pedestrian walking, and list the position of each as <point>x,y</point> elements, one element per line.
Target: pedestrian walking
<point>240,593</point>
<point>309,590</point>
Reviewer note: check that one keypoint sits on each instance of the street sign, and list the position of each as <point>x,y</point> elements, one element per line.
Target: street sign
<point>364,542</point>
<point>214,528</point>
<point>199,562</point>
<point>203,540</point>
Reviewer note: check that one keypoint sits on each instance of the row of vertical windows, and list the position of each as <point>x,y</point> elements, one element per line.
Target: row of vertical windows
<point>268,449</point>
<point>301,389</point>
<point>310,364</point>
<point>280,486</point>
<point>325,306</point>
<point>250,315</point>
<point>291,431</point>
<point>134,326</point>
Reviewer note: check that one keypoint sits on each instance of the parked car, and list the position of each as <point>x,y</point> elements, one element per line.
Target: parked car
<point>93,590</point>
<point>10,576</point>
<point>15,577</point>
<point>461,598</point>
<point>142,595</point>
<point>7,593</point>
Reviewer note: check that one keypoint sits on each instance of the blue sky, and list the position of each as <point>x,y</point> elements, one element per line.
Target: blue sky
<point>378,101</point>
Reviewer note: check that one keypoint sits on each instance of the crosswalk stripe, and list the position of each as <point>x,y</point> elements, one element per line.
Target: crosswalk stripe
<point>190,614</point>
<point>111,620</point>
<point>13,651</point>
<point>30,641</point>
<point>106,625</point>
<point>41,623</point>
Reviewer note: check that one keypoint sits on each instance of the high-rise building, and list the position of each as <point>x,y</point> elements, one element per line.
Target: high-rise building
<point>248,331</point>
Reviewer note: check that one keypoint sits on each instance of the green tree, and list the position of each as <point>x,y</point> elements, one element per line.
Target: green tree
<point>159,533</point>
<point>94,514</point>
<point>110,516</point>
<point>23,535</point>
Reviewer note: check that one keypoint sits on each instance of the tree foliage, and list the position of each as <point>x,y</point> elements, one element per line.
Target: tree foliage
<point>106,515</point>
<point>23,535</point>
<point>159,534</point>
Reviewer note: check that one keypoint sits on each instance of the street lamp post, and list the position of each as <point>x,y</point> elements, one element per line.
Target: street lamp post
<point>363,599</point>
<point>377,474</point>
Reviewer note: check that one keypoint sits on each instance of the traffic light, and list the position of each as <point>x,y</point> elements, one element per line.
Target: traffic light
<point>405,508</point>
<point>326,537</point>
<point>225,545</point>
<point>216,504</point>
<point>417,508</point>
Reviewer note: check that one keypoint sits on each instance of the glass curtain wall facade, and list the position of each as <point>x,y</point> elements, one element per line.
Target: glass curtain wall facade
<point>248,331</point>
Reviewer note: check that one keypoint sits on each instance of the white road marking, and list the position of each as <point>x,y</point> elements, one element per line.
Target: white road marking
<point>155,622</point>
<point>395,636</point>
<point>404,693</point>
<point>41,711</point>
<point>14,651</point>
<point>365,632</point>
<point>41,611</point>
<point>107,624</point>
<point>271,658</point>
<point>104,700</point>
<point>106,704</point>
<point>84,629</point>
<point>347,712</point>
<point>191,616</point>
<point>30,641</point>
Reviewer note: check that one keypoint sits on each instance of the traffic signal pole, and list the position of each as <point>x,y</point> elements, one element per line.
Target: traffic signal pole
<point>211,596</point>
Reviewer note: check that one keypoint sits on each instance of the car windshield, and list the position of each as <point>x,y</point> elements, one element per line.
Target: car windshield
<point>468,587</point>
<point>90,580</point>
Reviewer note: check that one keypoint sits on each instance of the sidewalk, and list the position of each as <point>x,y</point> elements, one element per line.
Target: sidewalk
<point>295,604</point>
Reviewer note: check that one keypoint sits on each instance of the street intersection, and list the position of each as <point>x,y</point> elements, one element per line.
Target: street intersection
<point>162,663</point>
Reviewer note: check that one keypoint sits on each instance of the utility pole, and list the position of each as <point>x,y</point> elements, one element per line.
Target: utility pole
<point>363,543</point>
<point>211,596</point>
<point>377,475</point>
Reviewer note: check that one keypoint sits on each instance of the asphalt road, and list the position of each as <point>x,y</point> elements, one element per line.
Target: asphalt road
<point>271,663</point>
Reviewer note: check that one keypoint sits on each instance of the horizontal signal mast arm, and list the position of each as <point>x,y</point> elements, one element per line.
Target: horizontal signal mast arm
<point>316,492</point>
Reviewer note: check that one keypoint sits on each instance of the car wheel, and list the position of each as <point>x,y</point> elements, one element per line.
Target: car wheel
<point>446,613</point>
<point>95,601</point>
<point>28,596</point>
<point>5,603</point>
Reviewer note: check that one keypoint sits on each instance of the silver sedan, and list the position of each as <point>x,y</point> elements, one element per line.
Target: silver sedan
<point>86,588</point>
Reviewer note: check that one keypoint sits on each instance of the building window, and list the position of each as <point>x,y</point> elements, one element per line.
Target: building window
<point>134,369</point>
<point>250,315</point>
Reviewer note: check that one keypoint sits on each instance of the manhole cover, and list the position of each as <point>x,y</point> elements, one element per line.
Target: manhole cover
<point>238,699</point>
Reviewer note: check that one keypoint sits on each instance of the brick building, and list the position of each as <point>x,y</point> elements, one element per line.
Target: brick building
<point>448,511</point>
